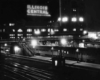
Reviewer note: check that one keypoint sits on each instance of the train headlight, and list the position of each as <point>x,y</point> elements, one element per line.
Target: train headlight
<point>34,43</point>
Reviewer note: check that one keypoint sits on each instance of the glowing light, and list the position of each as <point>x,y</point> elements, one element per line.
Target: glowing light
<point>74,19</point>
<point>64,29</point>
<point>64,19</point>
<point>56,30</point>
<point>81,29</point>
<point>20,30</point>
<point>5,44</point>
<point>74,9</point>
<point>77,50</point>
<point>17,49</point>
<point>67,52</point>
<point>11,24</point>
<point>81,45</point>
<point>52,48</point>
<point>43,30</point>
<point>13,30</point>
<point>52,31</point>
<point>11,34</point>
<point>56,62</point>
<point>85,32</point>
<point>59,19</point>
<point>37,32</point>
<point>74,29</point>
<point>81,19</point>
<point>19,34</point>
<point>34,43</point>
<point>29,30</point>
<point>63,41</point>
<point>92,35</point>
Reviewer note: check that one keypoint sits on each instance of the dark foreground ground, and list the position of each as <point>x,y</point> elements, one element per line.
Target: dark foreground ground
<point>14,68</point>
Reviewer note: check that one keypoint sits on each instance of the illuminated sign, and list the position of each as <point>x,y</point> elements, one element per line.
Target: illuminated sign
<point>36,10</point>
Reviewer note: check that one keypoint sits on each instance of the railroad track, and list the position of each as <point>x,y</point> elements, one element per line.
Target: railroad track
<point>17,71</point>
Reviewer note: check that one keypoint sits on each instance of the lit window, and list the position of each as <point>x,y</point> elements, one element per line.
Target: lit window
<point>13,30</point>
<point>64,29</point>
<point>81,19</point>
<point>3,30</point>
<point>29,30</point>
<point>59,19</point>
<point>29,34</point>
<point>56,30</point>
<point>37,31</point>
<point>74,29</point>
<point>67,52</point>
<point>20,30</point>
<point>52,31</point>
<point>11,24</point>
<point>74,19</point>
<point>50,21</point>
<point>48,29</point>
<point>12,37</point>
<point>81,29</point>
<point>21,37</point>
<point>19,34</point>
<point>64,51</point>
<point>77,50</point>
<point>64,19</point>
<point>56,62</point>
<point>11,34</point>
<point>43,30</point>
<point>74,10</point>
<point>81,45</point>
<point>85,32</point>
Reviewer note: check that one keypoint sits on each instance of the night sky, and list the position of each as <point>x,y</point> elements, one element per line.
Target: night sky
<point>93,14</point>
<point>12,10</point>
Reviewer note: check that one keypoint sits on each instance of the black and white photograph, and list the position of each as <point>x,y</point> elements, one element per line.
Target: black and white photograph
<point>49,39</point>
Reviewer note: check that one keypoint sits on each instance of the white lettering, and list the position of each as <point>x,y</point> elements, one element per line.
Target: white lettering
<point>35,9</point>
<point>28,11</point>
<point>28,6</point>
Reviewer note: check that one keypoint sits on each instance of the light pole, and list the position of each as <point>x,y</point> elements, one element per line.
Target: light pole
<point>60,12</point>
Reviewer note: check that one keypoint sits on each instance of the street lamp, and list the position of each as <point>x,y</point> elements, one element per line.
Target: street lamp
<point>34,43</point>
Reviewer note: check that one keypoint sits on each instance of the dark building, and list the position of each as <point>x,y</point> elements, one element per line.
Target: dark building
<point>50,17</point>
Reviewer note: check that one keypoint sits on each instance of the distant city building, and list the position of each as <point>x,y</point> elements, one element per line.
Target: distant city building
<point>66,17</point>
